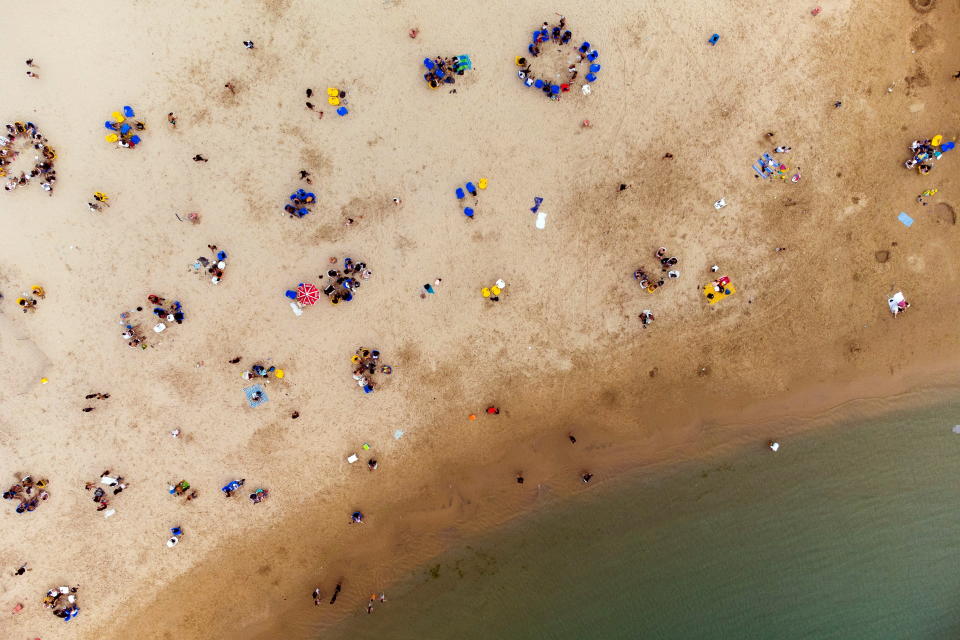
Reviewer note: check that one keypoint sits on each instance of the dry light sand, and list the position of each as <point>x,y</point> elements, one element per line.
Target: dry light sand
<point>563,351</point>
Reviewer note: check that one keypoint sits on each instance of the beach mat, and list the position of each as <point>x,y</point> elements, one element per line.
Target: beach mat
<point>249,391</point>
<point>761,166</point>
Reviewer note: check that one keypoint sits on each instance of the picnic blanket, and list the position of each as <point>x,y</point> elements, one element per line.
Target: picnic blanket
<point>249,391</point>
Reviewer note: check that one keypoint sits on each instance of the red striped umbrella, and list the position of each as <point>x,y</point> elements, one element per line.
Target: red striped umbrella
<point>307,294</point>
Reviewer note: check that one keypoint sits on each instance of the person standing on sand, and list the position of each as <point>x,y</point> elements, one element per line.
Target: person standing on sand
<point>248,44</point>
<point>172,119</point>
<point>199,158</point>
<point>316,597</point>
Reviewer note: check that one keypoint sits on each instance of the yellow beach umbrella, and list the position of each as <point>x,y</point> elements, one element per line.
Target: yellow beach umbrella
<point>112,137</point>
<point>485,292</point>
<point>117,117</point>
<point>937,139</point>
<point>496,290</point>
<point>332,91</point>
<point>483,184</point>
<point>333,101</point>
<point>279,373</point>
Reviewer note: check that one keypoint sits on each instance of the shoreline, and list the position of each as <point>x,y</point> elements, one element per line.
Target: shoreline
<point>435,530</point>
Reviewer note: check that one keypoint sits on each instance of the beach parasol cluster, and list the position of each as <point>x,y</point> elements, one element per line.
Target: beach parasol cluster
<point>472,190</point>
<point>925,152</point>
<point>121,131</point>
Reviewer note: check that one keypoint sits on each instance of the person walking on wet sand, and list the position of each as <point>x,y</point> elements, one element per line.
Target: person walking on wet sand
<point>316,597</point>
<point>336,592</point>
<point>172,119</point>
<point>199,158</point>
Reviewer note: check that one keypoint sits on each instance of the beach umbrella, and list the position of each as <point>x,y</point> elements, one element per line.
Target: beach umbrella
<point>128,111</point>
<point>333,101</point>
<point>307,294</point>
<point>947,146</point>
<point>117,117</point>
<point>112,137</point>
<point>937,139</point>
<point>134,139</point>
<point>342,111</point>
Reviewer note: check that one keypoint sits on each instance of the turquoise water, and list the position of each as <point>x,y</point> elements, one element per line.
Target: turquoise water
<point>851,531</point>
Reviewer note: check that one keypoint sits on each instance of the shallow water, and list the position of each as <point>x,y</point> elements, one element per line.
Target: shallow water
<point>850,531</point>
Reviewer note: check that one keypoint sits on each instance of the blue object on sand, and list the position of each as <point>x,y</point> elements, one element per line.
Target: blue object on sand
<point>946,146</point>
<point>441,74</point>
<point>714,39</point>
<point>762,166</point>
<point>347,297</point>
<point>290,293</point>
<point>342,111</point>
<point>302,211</point>
<point>536,204</point>
<point>460,194</point>
<point>471,188</point>
<point>468,212</point>
<point>249,391</point>
<point>367,388</point>
<point>585,47</point>
<point>538,84</point>
<point>593,55</point>
<point>124,128</point>
<point>591,77</point>
<point>905,219</point>
<point>128,112</point>
<point>464,62</point>
<point>221,255</point>
<point>134,139</point>
<point>555,89</point>
<point>429,64</point>
<point>594,68</point>
<point>110,125</point>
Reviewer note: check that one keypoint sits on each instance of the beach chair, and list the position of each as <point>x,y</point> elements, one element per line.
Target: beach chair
<point>427,62</point>
<point>761,166</point>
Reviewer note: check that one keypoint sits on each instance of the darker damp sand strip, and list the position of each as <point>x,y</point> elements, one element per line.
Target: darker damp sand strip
<point>420,519</point>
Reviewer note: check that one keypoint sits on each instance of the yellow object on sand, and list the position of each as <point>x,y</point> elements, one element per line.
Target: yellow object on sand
<point>38,291</point>
<point>485,292</point>
<point>101,196</point>
<point>495,290</point>
<point>44,381</point>
<point>333,92</point>
<point>333,101</point>
<point>354,358</point>
<point>112,137</point>
<point>937,139</point>
<point>483,183</point>
<point>279,373</point>
<point>717,295</point>
<point>117,117</point>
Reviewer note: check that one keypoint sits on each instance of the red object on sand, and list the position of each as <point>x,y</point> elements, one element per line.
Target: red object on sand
<point>815,11</point>
<point>18,608</point>
<point>586,123</point>
<point>307,294</point>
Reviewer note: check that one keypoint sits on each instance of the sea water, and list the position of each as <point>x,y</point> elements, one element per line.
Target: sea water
<point>849,531</point>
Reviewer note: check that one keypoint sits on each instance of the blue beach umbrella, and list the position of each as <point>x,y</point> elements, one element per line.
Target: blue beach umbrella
<point>124,128</point>
<point>538,84</point>
<point>342,111</point>
<point>593,55</point>
<point>591,77</point>
<point>128,111</point>
<point>460,194</point>
<point>555,89</point>
<point>135,140</point>
<point>594,68</point>
<point>429,64</point>
<point>468,212</point>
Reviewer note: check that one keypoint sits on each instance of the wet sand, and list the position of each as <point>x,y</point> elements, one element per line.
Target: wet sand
<point>563,351</point>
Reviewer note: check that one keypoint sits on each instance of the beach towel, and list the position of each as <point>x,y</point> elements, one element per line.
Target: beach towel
<point>905,219</point>
<point>762,166</point>
<point>249,391</point>
<point>894,302</point>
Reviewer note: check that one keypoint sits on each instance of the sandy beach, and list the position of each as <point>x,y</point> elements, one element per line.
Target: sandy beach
<point>563,351</point>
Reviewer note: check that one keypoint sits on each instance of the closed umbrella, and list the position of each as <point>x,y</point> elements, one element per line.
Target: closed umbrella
<point>307,294</point>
